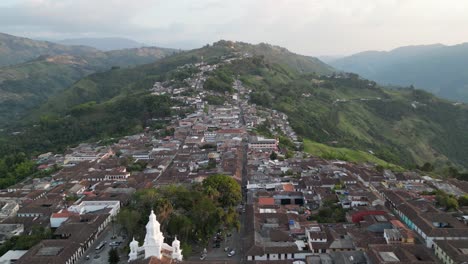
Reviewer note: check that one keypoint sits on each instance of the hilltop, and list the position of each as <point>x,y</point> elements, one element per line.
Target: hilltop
<point>100,87</point>
<point>436,68</point>
<point>15,50</point>
<point>104,44</point>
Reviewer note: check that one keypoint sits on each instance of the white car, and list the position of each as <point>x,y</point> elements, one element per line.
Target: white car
<point>114,243</point>
<point>232,253</point>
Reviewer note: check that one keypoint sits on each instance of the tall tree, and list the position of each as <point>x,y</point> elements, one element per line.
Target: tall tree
<point>229,189</point>
<point>113,256</point>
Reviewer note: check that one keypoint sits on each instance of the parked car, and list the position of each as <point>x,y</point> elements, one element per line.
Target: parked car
<point>203,256</point>
<point>232,253</point>
<point>115,243</point>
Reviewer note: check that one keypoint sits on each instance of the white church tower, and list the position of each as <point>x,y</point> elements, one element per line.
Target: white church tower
<point>154,243</point>
<point>133,250</point>
<point>176,253</point>
<point>154,238</point>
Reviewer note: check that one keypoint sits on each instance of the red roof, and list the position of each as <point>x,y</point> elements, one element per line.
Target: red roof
<point>288,187</point>
<point>62,213</point>
<point>266,201</point>
<point>397,223</point>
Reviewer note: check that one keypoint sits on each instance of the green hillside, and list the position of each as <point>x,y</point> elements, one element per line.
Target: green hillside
<point>278,55</point>
<point>405,127</point>
<point>103,86</point>
<point>15,50</point>
<point>110,103</point>
<point>29,84</point>
<point>26,85</point>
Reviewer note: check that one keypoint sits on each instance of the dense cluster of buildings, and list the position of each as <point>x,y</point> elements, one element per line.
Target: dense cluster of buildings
<point>388,217</point>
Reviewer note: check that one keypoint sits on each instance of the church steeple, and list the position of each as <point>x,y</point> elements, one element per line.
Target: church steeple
<point>177,252</point>
<point>154,243</point>
<point>133,250</point>
<point>154,239</point>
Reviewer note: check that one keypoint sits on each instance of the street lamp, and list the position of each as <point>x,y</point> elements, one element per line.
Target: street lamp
<point>113,227</point>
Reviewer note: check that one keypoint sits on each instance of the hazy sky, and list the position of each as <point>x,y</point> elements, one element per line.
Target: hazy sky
<point>312,27</point>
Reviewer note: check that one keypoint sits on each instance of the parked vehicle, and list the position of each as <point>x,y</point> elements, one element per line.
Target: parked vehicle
<point>100,246</point>
<point>115,244</point>
<point>232,253</point>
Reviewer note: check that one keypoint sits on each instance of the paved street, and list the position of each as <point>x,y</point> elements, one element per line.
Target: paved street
<point>233,242</point>
<point>104,254</point>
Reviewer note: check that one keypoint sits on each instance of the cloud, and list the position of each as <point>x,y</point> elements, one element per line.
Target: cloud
<point>312,27</point>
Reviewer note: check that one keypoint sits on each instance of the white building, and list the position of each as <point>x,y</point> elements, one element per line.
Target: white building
<point>92,206</point>
<point>154,245</point>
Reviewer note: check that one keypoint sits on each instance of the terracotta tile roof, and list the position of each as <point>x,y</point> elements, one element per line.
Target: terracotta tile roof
<point>288,187</point>
<point>266,201</point>
<point>62,213</point>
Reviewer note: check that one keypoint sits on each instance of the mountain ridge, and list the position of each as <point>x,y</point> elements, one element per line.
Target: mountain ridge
<point>437,68</point>
<point>103,44</point>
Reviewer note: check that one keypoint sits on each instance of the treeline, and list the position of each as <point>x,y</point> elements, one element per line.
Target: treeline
<point>14,168</point>
<point>220,81</point>
<point>90,121</point>
<point>193,213</point>
<point>26,241</point>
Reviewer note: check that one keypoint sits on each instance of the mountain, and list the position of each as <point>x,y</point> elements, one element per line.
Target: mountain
<point>330,58</point>
<point>105,44</point>
<point>26,85</point>
<point>109,84</point>
<point>437,68</point>
<point>401,126</point>
<point>14,50</point>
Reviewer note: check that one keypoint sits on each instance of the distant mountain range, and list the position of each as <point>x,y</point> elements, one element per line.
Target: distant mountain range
<point>104,44</point>
<point>42,68</point>
<point>439,69</point>
<point>14,50</point>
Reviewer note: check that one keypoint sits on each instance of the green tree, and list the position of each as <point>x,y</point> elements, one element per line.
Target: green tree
<point>229,189</point>
<point>451,204</point>
<point>427,167</point>
<point>129,219</point>
<point>463,200</point>
<point>273,155</point>
<point>181,226</point>
<point>186,250</point>
<point>113,256</point>
<point>447,201</point>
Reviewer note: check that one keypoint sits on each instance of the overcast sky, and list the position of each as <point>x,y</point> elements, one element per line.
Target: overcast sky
<point>311,27</point>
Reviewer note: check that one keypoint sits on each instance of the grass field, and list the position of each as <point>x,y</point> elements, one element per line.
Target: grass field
<point>345,154</point>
